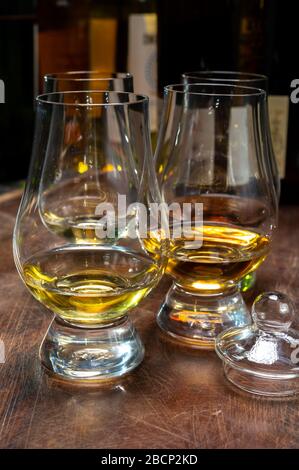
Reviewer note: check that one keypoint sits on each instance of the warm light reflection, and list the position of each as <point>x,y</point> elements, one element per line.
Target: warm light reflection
<point>108,168</point>
<point>206,285</point>
<point>82,167</point>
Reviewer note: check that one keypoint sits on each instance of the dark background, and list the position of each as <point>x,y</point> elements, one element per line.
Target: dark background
<point>192,35</point>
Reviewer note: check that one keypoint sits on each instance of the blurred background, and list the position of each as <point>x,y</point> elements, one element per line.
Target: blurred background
<point>156,41</point>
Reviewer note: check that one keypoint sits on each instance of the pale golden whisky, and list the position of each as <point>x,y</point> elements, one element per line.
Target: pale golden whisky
<point>89,286</point>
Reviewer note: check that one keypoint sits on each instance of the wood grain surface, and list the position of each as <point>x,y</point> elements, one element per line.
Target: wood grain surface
<point>177,398</point>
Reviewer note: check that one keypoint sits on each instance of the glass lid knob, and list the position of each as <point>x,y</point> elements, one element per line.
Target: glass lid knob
<point>273,311</point>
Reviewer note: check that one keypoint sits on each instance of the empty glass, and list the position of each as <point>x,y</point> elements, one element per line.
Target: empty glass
<point>254,80</point>
<point>81,231</point>
<point>213,150</point>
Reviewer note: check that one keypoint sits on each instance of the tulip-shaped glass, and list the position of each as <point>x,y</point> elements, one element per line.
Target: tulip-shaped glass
<point>213,149</point>
<point>81,231</point>
<point>248,80</point>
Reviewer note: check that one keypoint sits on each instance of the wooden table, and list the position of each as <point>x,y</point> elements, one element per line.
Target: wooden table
<point>176,399</point>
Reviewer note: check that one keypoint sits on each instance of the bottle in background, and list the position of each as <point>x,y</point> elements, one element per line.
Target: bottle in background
<point>103,30</point>
<point>257,36</point>
<point>63,36</point>
<point>137,50</point>
<point>258,30</point>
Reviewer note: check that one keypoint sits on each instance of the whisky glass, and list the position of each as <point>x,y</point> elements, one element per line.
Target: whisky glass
<point>88,80</point>
<point>213,149</point>
<point>248,80</point>
<point>80,234</point>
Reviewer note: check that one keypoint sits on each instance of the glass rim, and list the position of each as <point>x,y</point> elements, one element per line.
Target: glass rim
<point>73,75</point>
<point>180,88</point>
<point>136,98</point>
<point>239,76</point>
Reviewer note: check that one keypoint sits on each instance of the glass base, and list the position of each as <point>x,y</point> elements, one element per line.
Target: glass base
<point>262,384</point>
<point>91,354</point>
<point>196,320</point>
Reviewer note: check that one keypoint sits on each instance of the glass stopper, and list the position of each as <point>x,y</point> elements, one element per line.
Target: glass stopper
<point>263,358</point>
<point>273,311</point>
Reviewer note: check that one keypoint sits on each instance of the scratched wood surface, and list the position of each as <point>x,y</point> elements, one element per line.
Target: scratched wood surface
<point>175,399</point>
